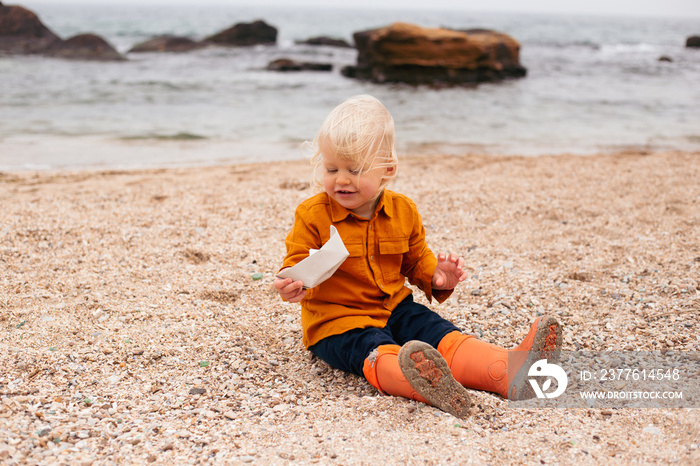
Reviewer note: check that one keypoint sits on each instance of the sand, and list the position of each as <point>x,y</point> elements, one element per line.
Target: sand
<point>139,324</point>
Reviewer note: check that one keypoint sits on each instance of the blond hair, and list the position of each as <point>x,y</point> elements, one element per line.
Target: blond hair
<point>359,130</point>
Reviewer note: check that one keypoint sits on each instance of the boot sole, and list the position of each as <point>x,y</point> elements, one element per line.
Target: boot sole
<point>546,345</point>
<point>429,375</point>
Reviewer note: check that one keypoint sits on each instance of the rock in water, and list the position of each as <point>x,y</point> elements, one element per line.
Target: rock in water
<point>167,43</point>
<point>85,47</point>
<point>257,32</point>
<point>22,32</point>
<point>412,54</point>
<point>327,41</point>
<point>286,64</point>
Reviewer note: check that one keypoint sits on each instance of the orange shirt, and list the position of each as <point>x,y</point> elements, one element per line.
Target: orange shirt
<point>384,251</point>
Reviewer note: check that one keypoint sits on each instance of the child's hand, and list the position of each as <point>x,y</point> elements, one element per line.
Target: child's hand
<point>448,272</point>
<point>289,290</point>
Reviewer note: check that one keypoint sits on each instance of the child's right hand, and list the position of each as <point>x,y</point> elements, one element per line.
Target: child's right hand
<point>290,290</point>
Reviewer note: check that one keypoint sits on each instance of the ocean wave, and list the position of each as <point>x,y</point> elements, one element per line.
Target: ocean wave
<point>165,137</point>
<point>565,44</point>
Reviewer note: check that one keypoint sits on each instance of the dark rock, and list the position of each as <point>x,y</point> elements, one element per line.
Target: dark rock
<point>22,32</point>
<point>411,54</point>
<point>85,47</point>
<point>167,44</point>
<point>257,32</point>
<point>285,64</point>
<point>327,41</point>
<point>693,41</point>
<point>665,58</point>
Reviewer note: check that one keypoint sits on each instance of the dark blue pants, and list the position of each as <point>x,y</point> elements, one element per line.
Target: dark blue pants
<point>409,321</point>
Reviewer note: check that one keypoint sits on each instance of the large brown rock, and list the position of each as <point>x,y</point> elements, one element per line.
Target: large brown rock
<point>167,43</point>
<point>411,54</point>
<point>693,42</point>
<point>22,32</point>
<point>85,47</point>
<point>242,34</point>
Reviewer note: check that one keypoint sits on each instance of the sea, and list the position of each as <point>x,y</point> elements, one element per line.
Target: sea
<point>594,84</point>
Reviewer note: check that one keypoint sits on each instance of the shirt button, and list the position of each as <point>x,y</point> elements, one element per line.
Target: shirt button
<point>371,258</point>
<point>370,227</point>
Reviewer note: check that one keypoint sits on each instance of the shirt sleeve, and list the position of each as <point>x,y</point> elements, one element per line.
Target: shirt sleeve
<point>420,263</point>
<point>302,237</point>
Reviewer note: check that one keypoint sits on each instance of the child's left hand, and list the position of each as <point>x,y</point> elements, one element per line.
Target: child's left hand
<point>448,272</point>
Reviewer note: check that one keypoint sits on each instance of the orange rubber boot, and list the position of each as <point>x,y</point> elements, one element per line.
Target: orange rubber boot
<point>419,372</point>
<point>483,366</point>
<point>383,372</point>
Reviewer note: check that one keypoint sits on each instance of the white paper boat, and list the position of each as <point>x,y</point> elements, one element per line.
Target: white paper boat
<point>321,263</point>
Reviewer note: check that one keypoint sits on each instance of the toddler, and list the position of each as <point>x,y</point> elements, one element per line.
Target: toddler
<point>363,318</point>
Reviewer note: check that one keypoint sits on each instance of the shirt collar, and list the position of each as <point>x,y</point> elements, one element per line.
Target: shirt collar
<point>340,213</point>
<point>386,203</point>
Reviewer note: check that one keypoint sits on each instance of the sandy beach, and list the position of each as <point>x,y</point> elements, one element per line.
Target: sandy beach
<point>139,324</point>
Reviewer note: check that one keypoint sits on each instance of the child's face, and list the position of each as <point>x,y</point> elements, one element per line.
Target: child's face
<point>343,182</point>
